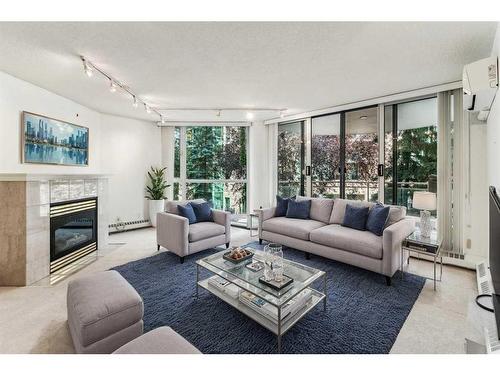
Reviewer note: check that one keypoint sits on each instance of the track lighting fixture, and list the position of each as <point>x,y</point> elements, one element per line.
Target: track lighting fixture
<point>112,86</point>
<point>218,113</point>
<point>87,68</point>
<point>162,120</point>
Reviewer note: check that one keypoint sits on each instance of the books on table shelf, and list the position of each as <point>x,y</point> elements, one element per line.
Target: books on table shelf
<point>271,312</point>
<point>224,286</point>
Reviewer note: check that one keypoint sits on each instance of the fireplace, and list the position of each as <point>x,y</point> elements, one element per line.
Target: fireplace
<point>73,231</point>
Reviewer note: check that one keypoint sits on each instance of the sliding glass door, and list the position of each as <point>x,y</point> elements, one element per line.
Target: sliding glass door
<point>361,154</point>
<point>325,156</point>
<point>344,155</point>
<point>348,160</point>
<point>291,159</point>
<point>410,151</point>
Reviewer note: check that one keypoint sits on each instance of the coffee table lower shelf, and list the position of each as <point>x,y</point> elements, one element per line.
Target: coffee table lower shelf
<point>287,323</point>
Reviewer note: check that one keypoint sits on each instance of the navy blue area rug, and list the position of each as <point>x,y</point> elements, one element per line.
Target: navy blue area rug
<point>363,315</point>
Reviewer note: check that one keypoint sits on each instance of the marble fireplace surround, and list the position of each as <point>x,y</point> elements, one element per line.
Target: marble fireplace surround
<point>25,223</point>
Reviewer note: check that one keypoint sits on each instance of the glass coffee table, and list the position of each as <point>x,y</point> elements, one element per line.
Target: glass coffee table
<point>281,309</point>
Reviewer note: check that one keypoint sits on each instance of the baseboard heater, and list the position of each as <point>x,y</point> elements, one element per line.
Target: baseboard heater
<point>128,225</point>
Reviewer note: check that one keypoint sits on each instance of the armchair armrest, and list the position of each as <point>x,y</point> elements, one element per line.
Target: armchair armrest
<point>393,237</point>
<point>172,233</point>
<point>263,215</point>
<point>223,218</point>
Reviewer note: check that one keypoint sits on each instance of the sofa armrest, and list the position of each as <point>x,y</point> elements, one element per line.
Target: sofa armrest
<point>263,215</point>
<point>223,218</point>
<point>393,237</point>
<point>172,233</point>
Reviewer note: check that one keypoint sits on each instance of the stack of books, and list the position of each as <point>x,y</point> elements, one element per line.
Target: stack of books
<point>224,286</point>
<point>271,312</point>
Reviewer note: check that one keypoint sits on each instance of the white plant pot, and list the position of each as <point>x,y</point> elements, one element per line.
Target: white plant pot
<point>155,206</point>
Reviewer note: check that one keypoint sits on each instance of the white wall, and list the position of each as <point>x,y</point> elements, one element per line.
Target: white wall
<point>121,147</point>
<point>129,148</point>
<point>494,129</point>
<point>17,96</point>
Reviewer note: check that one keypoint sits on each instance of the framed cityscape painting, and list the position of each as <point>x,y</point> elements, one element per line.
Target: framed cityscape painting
<point>49,141</point>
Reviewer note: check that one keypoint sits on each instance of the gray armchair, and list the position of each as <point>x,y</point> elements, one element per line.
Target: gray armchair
<point>174,233</point>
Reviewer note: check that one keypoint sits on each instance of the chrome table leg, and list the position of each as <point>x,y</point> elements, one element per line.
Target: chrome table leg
<point>324,292</point>
<point>279,330</point>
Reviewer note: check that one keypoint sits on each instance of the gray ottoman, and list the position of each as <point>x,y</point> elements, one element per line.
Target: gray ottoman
<point>163,340</point>
<point>104,312</point>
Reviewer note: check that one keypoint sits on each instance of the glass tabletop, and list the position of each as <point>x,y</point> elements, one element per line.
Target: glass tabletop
<point>302,275</point>
<point>433,240</point>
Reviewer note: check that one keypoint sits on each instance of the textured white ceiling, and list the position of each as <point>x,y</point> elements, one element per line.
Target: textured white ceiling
<point>300,66</point>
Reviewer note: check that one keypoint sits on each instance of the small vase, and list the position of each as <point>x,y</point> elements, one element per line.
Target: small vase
<point>155,206</point>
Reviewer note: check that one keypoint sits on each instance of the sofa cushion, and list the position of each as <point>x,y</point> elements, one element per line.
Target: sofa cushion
<point>298,209</point>
<point>355,217</point>
<point>396,213</point>
<point>187,212</point>
<point>205,229</point>
<point>377,217</point>
<point>339,206</point>
<point>100,305</point>
<point>348,239</point>
<point>296,228</point>
<point>203,211</point>
<point>162,340</point>
<point>171,206</point>
<point>281,206</point>
<point>321,208</point>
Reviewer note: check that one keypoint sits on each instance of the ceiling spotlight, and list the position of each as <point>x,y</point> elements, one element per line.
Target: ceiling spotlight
<point>148,110</point>
<point>112,86</point>
<point>282,113</point>
<point>135,104</point>
<point>87,68</point>
<point>162,119</point>
<point>363,117</point>
<point>249,115</point>
<point>218,113</point>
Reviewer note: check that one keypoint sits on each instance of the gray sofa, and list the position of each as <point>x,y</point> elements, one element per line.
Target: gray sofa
<point>323,235</point>
<point>174,233</point>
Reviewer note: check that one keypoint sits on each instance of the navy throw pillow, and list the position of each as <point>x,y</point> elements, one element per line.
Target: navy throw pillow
<point>187,212</point>
<point>281,206</point>
<point>298,209</point>
<point>377,217</point>
<point>202,211</point>
<point>355,217</point>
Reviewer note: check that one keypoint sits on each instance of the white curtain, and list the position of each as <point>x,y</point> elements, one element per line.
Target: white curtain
<point>452,169</point>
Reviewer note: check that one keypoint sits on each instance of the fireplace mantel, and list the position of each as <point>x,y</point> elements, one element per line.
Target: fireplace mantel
<point>25,199</point>
<point>48,177</point>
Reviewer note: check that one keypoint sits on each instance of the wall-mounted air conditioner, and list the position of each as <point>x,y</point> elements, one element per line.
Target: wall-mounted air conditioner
<point>480,84</point>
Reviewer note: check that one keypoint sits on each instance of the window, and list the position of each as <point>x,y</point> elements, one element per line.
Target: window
<point>214,167</point>
<point>290,159</point>
<point>410,151</point>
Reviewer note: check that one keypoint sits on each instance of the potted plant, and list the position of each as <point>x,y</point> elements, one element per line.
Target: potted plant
<point>156,193</point>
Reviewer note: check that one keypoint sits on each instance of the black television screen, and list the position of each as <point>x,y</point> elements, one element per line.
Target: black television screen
<point>495,239</point>
<point>495,252</point>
